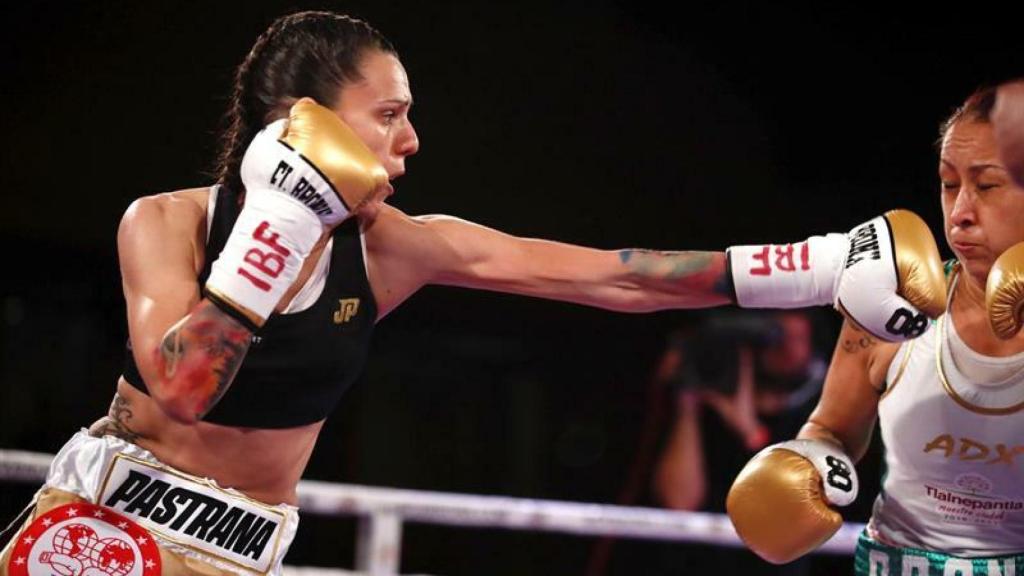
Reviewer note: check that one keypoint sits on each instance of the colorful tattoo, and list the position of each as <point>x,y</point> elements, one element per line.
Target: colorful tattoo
<point>115,423</point>
<point>695,268</point>
<point>199,357</point>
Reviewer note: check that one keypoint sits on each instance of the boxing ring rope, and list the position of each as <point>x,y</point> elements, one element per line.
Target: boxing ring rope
<point>382,511</point>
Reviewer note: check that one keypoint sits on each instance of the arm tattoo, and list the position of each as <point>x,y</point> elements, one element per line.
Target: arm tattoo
<point>200,355</point>
<point>115,423</point>
<point>696,269</point>
<point>860,341</point>
<point>173,350</point>
<point>668,265</point>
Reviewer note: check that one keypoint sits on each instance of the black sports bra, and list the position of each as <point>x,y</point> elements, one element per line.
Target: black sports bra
<point>299,364</point>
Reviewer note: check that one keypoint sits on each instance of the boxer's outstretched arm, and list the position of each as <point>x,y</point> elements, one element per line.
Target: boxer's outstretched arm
<point>187,350</point>
<point>460,253</point>
<point>886,273</point>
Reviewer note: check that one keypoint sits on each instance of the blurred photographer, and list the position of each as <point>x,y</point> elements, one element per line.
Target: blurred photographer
<point>735,382</point>
<point>739,382</point>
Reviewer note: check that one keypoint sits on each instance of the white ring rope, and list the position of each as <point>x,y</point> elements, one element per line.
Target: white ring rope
<point>536,515</point>
<point>382,506</point>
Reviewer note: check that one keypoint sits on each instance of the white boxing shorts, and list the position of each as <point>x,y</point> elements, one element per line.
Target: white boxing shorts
<point>110,508</point>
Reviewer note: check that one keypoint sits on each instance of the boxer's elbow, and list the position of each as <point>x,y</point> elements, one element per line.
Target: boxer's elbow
<point>181,407</point>
<point>183,387</point>
<point>195,363</point>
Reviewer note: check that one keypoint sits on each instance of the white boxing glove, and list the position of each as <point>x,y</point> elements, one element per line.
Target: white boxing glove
<point>303,176</point>
<point>885,275</point>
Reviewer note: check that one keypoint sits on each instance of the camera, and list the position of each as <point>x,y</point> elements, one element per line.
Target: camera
<point>709,351</point>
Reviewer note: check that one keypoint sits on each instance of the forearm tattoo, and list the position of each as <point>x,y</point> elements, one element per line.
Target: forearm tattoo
<point>199,357</point>
<point>698,270</point>
<point>116,422</point>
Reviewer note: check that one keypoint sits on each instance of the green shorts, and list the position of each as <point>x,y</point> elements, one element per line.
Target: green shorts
<point>875,559</point>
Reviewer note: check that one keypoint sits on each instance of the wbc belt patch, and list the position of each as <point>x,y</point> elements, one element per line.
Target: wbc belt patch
<point>194,514</point>
<point>81,539</point>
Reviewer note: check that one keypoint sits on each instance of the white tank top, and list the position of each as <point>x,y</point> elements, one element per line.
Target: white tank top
<point>954,452</point>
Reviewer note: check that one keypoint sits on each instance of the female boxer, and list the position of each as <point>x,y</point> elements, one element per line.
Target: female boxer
<point>251,303</point>
<point>950,403</point>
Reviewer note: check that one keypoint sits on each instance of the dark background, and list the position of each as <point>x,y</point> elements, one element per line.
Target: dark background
<point>609,124</point>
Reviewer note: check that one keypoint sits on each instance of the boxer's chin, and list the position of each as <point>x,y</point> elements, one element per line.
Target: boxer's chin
<point>368,211</point>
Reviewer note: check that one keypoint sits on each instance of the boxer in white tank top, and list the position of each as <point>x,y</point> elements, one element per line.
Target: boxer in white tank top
<point>952,421</point>
<point>950,403</point>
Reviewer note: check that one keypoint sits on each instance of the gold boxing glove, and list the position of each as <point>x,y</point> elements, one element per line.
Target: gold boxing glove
<point>1004,292</point>
<point>922,281</point>
<point>303,176</point>
<point>780,501</point>
<point>332,147</point>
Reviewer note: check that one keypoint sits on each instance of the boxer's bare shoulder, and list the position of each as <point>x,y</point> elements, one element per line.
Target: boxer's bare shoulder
<point>170,215</point>
<point>189,204</point>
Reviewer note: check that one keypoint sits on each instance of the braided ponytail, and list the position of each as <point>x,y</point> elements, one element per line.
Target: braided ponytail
<point>312,54</point>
